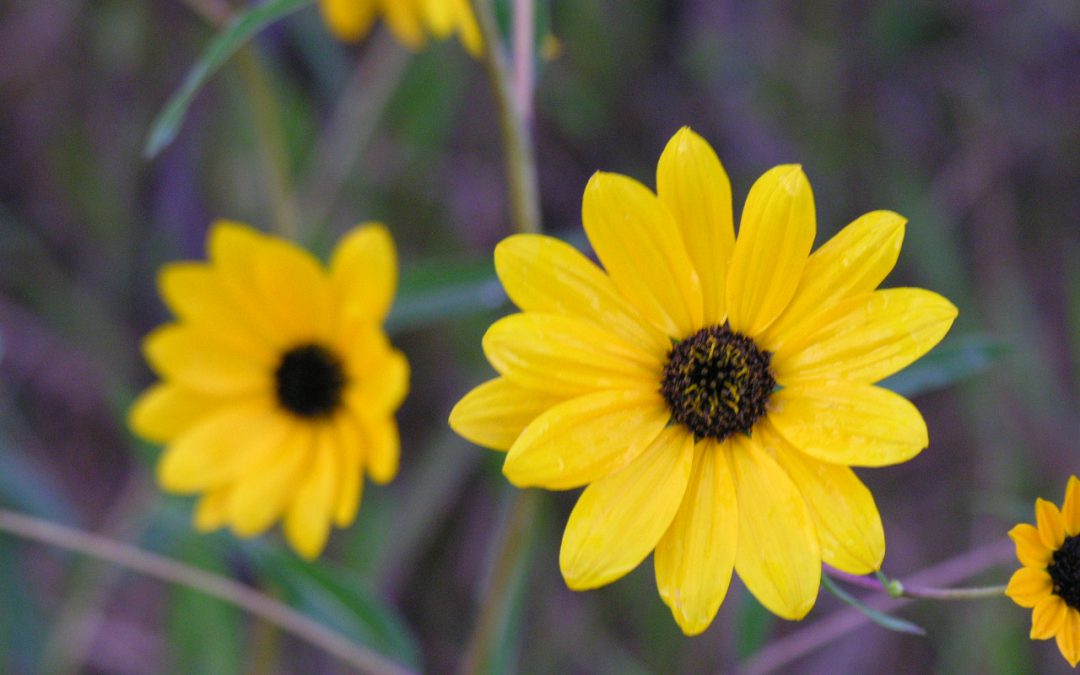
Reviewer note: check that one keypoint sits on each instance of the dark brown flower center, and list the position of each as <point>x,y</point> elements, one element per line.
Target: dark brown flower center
<point>310,381</point>
<point>717,382</point>
<point>1065,572</point>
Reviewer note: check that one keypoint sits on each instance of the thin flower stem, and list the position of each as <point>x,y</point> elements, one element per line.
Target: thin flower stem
<point>266,116</point>
<point>524,58</point>
<point>813,636</point>
<point>898,589</point>
<point>213,585</point>
<point>270,138</point>
<point>515,543</point>
<point>351,126</point>
<point>513,96</point>
<point>513,121</point>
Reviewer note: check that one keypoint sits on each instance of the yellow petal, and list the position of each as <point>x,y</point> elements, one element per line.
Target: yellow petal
<point>166,410</point>
<point>852,263</point>
<point>296,290</point>
<point>778,557</point>
<point>194,293</point>
<point>378,374</point>
<point>1048,618</point>
<point>565,356</point>
<point>851,424</point>
<point>1029,586</point>
<point>585,438</point>
<point>222,446</point>
<point>348,20</point>
<point>307,522</point>
<point>468,28</point>
<point>844,513</point>
<point>364,272</point>
<point>233,249</point>
<point>695,557</point>
<point>639,244</point>
<point>350,449</point>
<point>693,185</point>
<point>543,274</point>
<point>866,338</point>
<point>212,512</point>
<point>382,445</point>
<point>495,413</point>
<point>620,517</point>
<point>1051,525</point>
<point>1030,550</point>
<point>262,493</point>
<point>200,361</point>
<point>404,19</point>
<point>1070,510</point>
<point>775,236</point>
<point>1068,637</point>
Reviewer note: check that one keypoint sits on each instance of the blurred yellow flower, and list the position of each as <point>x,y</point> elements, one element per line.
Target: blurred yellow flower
<point>278,386</point>
<point>409,20</point>
<point>710,392</point>
<point>1049,581</point>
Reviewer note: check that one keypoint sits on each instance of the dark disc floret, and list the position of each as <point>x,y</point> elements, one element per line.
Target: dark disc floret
<point>717,382</point>
<point>310,381</point>
<point>1065,572</point>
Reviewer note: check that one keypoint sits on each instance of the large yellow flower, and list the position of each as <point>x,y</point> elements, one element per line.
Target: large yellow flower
<point>278,386</point>
<point>710,392</point>
<point>1049,581</point>
<point>409,20</point>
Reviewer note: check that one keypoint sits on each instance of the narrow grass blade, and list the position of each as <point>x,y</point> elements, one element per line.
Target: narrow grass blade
<point>233,36</point>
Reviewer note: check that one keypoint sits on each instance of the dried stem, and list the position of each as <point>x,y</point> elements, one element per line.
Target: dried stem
<point>213,585</point>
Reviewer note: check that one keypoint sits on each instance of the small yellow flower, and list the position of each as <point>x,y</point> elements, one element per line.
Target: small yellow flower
<point>278,386</point>
<point>409,20</point>
<point>1049,581</point>
<point>710,392</point>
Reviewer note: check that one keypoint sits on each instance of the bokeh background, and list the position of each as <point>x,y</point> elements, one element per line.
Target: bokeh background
<point>961,115</point>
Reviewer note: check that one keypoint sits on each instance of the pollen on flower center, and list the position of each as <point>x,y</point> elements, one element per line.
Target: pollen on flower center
<point>309,381</point>
<point>1065,572</point>
<point>717,382</point>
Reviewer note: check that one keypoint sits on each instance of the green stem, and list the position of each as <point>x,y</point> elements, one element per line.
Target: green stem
<point>517,141</point>
<point>509,559</point>
<point>898,589</point>
<point>351,126</point>
<point>269,136</point>
<point>213,585</point>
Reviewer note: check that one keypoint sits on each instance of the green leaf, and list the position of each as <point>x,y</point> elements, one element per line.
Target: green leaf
<point>954,360</point>
<point>337,600</point>
<point>441,291</point>
<point>237,32</point>
<point>204,633</point>
<point>880,618</point>
<point>754,625</point>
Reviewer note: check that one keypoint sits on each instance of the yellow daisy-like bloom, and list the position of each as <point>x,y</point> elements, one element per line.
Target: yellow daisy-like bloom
<point>711,392</point>
<point>1049,581</point>
<point>278,385</point>
<point>409,20</point>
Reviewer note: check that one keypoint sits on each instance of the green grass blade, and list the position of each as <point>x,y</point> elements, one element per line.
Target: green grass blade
<point>337,600</point>
<point>237,32</point>
<point>956,359</point>
<point>880,618</point>
<point>442,291</point>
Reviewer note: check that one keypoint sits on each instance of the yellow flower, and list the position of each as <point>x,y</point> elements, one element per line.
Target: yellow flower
<point>1049,581</point>
<point>278,386</point>
<point>409,20</point>
<point>712,393</point>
